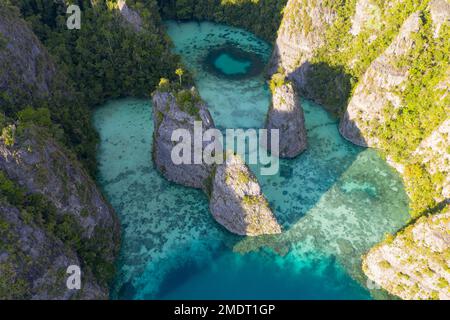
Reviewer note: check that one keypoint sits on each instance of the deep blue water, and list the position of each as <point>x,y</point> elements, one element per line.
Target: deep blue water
<point>334,201</point>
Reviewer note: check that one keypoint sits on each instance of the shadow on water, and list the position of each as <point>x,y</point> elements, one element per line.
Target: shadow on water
<point>302,181</point>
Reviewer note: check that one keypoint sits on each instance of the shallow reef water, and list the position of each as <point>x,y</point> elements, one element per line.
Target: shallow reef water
<point>334,201</point>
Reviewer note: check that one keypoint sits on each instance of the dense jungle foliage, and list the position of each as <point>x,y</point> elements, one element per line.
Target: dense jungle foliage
<point>261,17</point>
<point>106,58</point>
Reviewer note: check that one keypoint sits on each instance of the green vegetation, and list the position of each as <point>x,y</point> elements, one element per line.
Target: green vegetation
<point>253,200</point>
<point>36,209</point>
<point>243,177</point>
<point>442,283</point>
<point>425,107</point>
<point>338,66</point>
<point>164,85</point>
<point>105,59</point>
<point>261,17</point>
<point>188,101</point>
<point>420,188</point>
<point>385,264</point>
<point>39,117</point>
<point>9,135</point>
<point>180,72</point>
<point>11,285</point>
<point>278,80</point>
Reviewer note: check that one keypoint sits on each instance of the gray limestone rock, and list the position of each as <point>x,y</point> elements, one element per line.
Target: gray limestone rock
<point>237,201</point>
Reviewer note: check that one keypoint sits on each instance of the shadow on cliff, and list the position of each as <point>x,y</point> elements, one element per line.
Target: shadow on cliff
<point>327,85</point>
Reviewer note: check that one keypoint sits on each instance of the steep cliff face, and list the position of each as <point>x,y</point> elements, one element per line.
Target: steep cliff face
<point>78,216</point>
<point>301,33</point>
<point>237,201</point>
<point>33,261</point>
<point>401,105</point>
<point>29,77</point>
<point>38,163</point>
<point>380,87</point>
<point>179,110</point>
<point>414,264</point>
<point>26,68</point>
<point>286,115</point>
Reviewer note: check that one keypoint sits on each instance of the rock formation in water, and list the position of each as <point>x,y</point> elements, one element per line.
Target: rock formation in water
<point>78,227</point>
<point>237,201</point>
<point>414,264</point>
<point>175,110</point>
<point>286,115</point>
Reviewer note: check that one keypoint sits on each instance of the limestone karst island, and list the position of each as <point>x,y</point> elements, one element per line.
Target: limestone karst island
<point>224,150</point>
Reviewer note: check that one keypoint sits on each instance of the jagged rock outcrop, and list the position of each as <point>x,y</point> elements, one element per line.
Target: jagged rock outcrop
<point>39,164</point>
<point>301,32</point>
<point>130,16</point>
<point>286,115</point>
<point>237,201</point>
<point>378,88</point>
<point>26,68</point>
<point>414,264</point>
<point>178,110</point>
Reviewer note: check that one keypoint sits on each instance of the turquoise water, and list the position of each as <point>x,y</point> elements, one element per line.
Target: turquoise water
<point>229,65</point>
<point>334,201</point>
